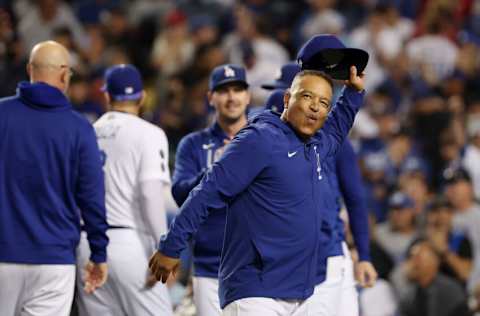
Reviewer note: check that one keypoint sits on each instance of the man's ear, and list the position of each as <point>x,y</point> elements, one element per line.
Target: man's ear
<point>142,100</point>
<point>209,98</point>
<point>29,70</point>
<point>249,97</point>
<point>107,100</point>
<point>286,99</point>
<point>65,77</point>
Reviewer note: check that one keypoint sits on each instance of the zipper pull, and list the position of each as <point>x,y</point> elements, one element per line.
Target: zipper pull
<point>319,166</point>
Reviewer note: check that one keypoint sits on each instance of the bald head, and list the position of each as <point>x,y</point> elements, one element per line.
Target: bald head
<point>50,63</point>
<point>49,52</point>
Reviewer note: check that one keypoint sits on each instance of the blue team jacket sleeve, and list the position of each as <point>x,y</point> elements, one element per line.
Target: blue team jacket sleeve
<point>244,158</point>
<point>351,187</point>
<point>340,120</point>
<point>187,173</point>
<point>90,195</point>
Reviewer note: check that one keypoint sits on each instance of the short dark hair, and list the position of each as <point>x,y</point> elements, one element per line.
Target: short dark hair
<point>317,73</point>
<point>421,240</point>
<point>437,203</point>
<point>452,176</point>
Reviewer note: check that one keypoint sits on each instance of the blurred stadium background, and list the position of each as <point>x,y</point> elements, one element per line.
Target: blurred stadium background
<point>419,131</point>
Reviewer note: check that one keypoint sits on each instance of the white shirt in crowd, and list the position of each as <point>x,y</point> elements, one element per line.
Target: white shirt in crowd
<point>435,52</point>
<point>468,222</point>
<point>471,162</point>
<point>379,300</point>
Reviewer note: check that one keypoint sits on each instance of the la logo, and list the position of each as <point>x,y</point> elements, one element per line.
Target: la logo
<point>229,72</point>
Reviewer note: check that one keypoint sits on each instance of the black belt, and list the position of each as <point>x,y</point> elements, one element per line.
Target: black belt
<point>110,227</point>
<point>118,227</point>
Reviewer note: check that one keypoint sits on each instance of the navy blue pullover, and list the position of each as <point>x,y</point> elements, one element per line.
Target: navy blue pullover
<point>50,169</point>
<point>351,189</point>
<point>195,154</point>
<point>343,174</point>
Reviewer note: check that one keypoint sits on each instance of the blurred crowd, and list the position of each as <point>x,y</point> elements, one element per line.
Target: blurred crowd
<point>417,137</point>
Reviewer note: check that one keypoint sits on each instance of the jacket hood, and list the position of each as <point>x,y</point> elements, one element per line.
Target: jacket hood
<point>217,131</point>
<point>43,96</point>
<point>267,116</point>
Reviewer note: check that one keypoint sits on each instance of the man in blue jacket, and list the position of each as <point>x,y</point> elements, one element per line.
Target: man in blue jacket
<point>228,94</point>
<point>269,177</point>
<point>337,295</point>
<point>343,173</point>
<point>49,169</point>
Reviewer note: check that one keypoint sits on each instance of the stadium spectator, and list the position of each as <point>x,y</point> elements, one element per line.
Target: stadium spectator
<point>433,293</point>
<point>454,248</point>
<point>466,218</point>
<point>400,230</point>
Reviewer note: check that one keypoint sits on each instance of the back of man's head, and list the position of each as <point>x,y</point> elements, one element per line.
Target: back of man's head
<point>123,85</point>
<point>50,63</point>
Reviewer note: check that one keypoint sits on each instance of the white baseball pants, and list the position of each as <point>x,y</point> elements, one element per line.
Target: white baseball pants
<point>349,301</point>
<point>36,290</point>
<point>205,296</point>
<point>125,292</point>
<point>323,302</point>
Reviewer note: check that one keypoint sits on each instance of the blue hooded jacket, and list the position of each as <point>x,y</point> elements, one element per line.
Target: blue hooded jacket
<point>343,174</point>
<point>49,168</point>
<point>350,187</point>
<point>269,179</point>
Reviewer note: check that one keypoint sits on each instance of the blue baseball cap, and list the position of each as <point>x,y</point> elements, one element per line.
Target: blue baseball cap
<point>275,101</point>
<point>284,80</point>
<point>227,73</point>
<point>400,200</point>
<point>376,161</point>
<point>123,83</point>
<point>327,53</point>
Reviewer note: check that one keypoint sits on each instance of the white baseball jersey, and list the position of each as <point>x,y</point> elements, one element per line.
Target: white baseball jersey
<point>133,151</point>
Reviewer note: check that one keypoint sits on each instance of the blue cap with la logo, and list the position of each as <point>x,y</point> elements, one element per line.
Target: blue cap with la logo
<point>225,74</point>
<point>123,83</point>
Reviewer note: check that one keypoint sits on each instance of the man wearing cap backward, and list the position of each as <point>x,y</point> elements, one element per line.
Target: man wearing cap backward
<point>50,176</point>
<point>228,94</point>
<point>268,177</point>
<point>137,181</point>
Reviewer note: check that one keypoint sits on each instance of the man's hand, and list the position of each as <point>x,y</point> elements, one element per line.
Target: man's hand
<point>161,266</point>
<point>356,81</point>
<point>151,280</point>
<point>365,274</point>
<point>95,276</point>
